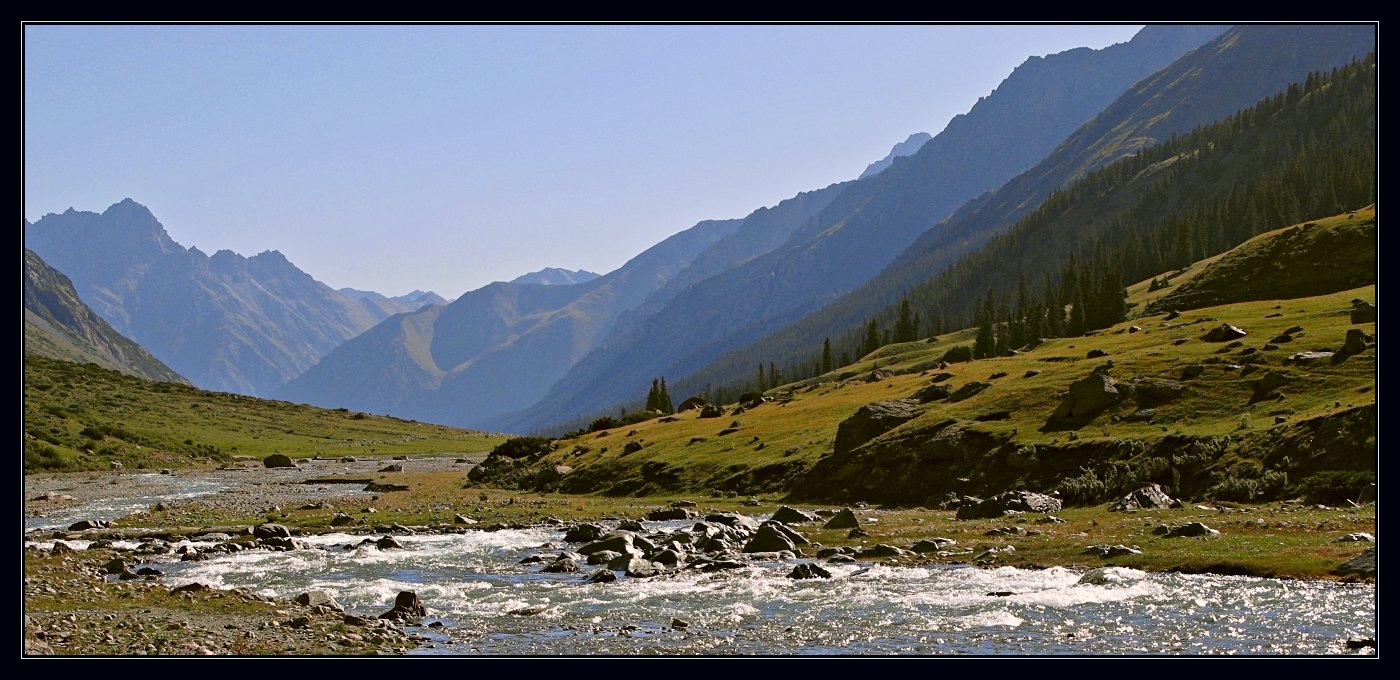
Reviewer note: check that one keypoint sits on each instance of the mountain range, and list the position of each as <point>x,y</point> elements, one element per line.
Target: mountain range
<point>702,307</point>
<point>224,321</point>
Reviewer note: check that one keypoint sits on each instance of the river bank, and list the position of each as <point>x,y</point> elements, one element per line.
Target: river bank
<point>1287,540</point>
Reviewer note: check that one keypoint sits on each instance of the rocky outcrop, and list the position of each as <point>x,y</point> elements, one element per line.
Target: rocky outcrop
<point>1224,333</point>
<point>1362,565</point>
<point>1148,497</point>
<point>968,391</point>
<point>1362,311</point>
<point>873,420</point>
<point>1089,396</point>
<point>1011,501</point>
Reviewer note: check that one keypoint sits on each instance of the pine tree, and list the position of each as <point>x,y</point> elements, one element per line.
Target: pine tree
<point>826,356</point>
<point>904,328</point>
<point>872,337</point>
<point>762,381</point>
<point>663,401</point>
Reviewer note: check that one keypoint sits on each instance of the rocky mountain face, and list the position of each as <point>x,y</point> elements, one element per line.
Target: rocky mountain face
<point>58,325</point>
<point>227,322</point>
<point>908,147</point>
<point>865,226</point>
<point>554,276</point>
<point>1232,72</point>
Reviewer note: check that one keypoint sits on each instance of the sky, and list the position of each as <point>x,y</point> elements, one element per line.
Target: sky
<point>396,158</point>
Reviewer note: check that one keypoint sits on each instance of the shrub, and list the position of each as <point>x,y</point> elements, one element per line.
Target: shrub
<point>1338,486</point>
<point>958,354</point>
<point>523,447</point>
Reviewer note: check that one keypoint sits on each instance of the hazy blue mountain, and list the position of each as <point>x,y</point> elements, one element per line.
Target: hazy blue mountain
<point>553,276</point>
<point>907,147</point>
<point>1230,73</point>
<point>58,325</point>
<point>226,322</point>
<point>402,303</point>
<point>865,226</point>
<point>494,349</point>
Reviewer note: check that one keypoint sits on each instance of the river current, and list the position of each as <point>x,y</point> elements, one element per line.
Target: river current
<point>487,602</point>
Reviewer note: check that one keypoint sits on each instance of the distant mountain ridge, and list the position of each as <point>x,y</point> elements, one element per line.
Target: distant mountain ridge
<point>493,349</point>
<point>865,226</point>
<point>58,325</point>
<point>1230,73</point>
<point>908,147</point>
<point>554,276</point>
<point>226,322</point>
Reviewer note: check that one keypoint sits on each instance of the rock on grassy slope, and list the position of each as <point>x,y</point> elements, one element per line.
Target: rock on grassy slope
<point>1243,420</point>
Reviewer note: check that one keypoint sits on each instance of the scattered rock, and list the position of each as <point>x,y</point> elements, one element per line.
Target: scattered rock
<point>968,391</point>
<point>602,576</point>
<point>341,519</point>
<point>562,566</point>
<point>87,524</point>
<point>997,506</point>
<point>1191,529</point>
<point>1150,496</point>
<point>871,421</point>
<point>1031,373</point>
<point>711,411</point>
<point>319,598</point>
<point>1356,342</point>
<point>407,607</point>
<point>808,570</point>
<point>845,519</point>
<point>1095,353</point>
<point>1224,333</point>
<point>932,545</point>
<point>1112,550</point>
<point>788,515</point>
<point>582,533</point>
<point>680,624</point>
<point>393,467</point>
<point>632,447</point>
<point>665,514</point>
<point>1308,358</point>
<point>462,519</point>
<point>387,543</point>
<point>278,460</point>
<point>1356,537</point>
<point>61,548</point>
<point>1362,311</point>
<point>270,530</point>
<point>1361,565</point>
<point>933,393</point>
<point>1089,396</point>
<point>857,533</point>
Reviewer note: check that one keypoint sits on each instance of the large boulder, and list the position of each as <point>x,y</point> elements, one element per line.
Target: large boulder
<point>711,411</point>
<point>582,533</point>
<point>319,598</point>
<point>1308,358</point>
<point>664,514</point>
<point>1148,497</point>
<point>933,393</point>
<point>769,538</point>
<point>1362,311</point>
<point>1356,342</point>
<point>618,541</point>
<point>271,531</point>
<point>808,570</point>
<point>1089,396</point>
<point>734,520</point>
<point>873,420</point>
<point>1191,529</point>
<point>1020,501</point>
<point>1224,333</point>
<point>788,515</point>
<point>278,460</point>
<point>968,391</point>
<point>1361,565</point>
<point>846,519</point>
<point>407,607</point>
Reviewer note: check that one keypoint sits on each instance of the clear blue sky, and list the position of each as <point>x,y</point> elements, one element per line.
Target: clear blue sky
<point>444,157</point>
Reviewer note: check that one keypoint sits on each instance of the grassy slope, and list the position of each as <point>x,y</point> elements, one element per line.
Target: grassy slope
<point>80,417</point>
<point>777,444</point>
